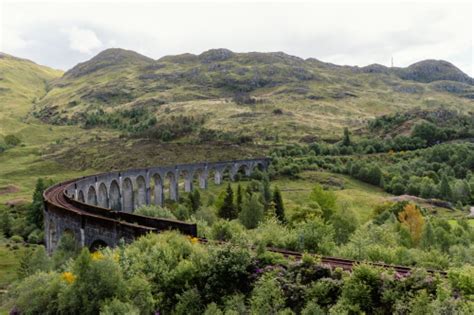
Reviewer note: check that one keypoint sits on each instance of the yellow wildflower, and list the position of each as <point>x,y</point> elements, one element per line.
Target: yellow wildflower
<point>68,277</point>
<point>97,256</point>
<point>194,240</point>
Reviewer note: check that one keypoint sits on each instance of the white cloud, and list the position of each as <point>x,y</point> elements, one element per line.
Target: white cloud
<point>353,33</point>
<point>14,40</point>
<point>82,40</point>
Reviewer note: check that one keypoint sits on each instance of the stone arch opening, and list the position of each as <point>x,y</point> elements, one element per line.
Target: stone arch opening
<point>127,194</point>
<point>114,196</point>
<point>185,180</point>
<point>226,173</point>
<point>68,241</point>
<point>157,189</point>
<point>80,196</point>
<point>217,175</point>
<point>258,166</point>
<point>172,182</point>
<point>92,196</point>
<point>199,178</point>
<point>258,170</point>
<point>97,245</point>
<point>242,171</point>
<point>102,198</point>
<point>140,192</point>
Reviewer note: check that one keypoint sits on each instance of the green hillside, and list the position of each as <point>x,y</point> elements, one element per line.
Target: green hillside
<point>256,96</point>
<point>23,83</point>
<point>368,163</point>
<point>120,101</point>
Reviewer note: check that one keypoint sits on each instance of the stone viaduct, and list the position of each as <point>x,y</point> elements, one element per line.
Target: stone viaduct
<point>98,210</point>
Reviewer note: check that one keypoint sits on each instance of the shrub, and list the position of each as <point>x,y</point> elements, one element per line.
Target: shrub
<point>139,292</point>
<point>206,214</point>
<point>267,296</point>
<point>155,211</point>
<point>312,308</point>
<point>324,291</point>
<point>462,279</point>
<point>252,212</point>
<point>315,236</point>
<point>325,199</point>
<point>235,304</point>
<point>12,140</point>
<point>100,279</point>
<point>362,289</point>
<point>39,293</point>
<point>33,261</point>
<point>36,237</point>
<point>115,307</point>
<point>306,213</point>
<point>213,309</point>
<point>224,230</point>
<point>228,272</point>
<point>181,212</point>
<point>277,111</point>
<point>16,239</point>
<point>344,223</point>
<point>272,233</point>
<point>189,303</point>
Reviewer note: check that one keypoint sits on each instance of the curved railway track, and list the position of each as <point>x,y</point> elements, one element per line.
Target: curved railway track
<point>57,196</point>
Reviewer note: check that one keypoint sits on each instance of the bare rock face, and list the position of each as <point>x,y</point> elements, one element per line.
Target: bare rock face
<point>214,55</point>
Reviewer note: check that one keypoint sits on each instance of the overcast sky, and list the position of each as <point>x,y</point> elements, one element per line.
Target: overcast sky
<point>62,33</point>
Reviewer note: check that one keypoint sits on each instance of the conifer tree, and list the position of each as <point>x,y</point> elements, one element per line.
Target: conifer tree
<point>35,211</point>
<point>445,189</point>
<point>278,203</point>
<point>228,210</point>
<point>194,200</point>
<point>266,193</point>
<point>428,238</point>
<point>248,191</point>
<point>239,199</point>
<point>347,139</point>
<point>5,224</point>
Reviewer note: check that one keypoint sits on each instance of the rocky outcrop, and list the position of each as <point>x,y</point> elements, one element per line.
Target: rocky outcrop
<point>214,55</point>
<point>108,58</point>
<point>433,70</point>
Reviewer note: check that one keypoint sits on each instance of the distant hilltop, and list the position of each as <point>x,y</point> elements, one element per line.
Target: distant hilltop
<point>423,71</point>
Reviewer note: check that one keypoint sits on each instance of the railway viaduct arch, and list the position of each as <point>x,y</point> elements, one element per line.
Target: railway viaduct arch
<point>98,209</point>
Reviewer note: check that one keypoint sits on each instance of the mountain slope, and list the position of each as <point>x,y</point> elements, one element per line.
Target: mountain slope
<point>425,71</point>
<point>22,82</point>
<point>251,94</point>
<point>111,59</point>
<point>434,70</point>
